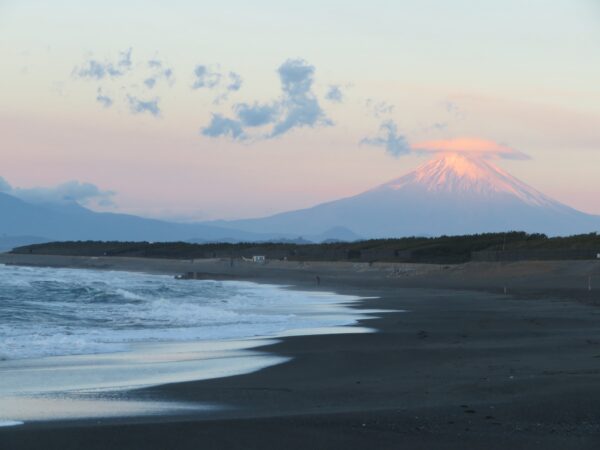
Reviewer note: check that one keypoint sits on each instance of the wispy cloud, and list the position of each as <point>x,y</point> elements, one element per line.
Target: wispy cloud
<point>439,126</point>
<point>235,82</point>
<point>435,127</point>
<point>158,72</point>
<point>150,82</point>
<point>398,145</point>
<point>454,109</point>
<point>379,108</point>
<point>334,94</point>
<point>137,80</point>
<point>104,99</point>
<point>138,106</point>
<point>99,70</point>
<point>204,77</point>
<point>389,138</point>
<point>212,79</point>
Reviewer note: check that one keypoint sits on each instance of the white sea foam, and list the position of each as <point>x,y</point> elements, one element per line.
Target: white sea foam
<point>53,312</point>
<point>10,423</point>
<point>129,295</point>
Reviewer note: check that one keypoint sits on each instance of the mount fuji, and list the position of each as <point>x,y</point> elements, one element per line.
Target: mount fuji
<point>452,194</point>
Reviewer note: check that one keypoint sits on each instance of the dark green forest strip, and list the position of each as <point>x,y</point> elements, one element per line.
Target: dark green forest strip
<point>440,250</point>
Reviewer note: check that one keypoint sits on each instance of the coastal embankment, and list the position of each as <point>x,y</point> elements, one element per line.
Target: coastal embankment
<point>573,278</point>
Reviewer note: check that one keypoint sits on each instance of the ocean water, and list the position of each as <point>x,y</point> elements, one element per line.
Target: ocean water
<point>55,312</point>
<point>74,342</point>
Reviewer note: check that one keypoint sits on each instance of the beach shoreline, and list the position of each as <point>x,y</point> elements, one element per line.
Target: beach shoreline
<point>467,367</point>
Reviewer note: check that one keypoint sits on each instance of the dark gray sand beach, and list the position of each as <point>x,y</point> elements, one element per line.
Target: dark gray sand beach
<point>466,367</point>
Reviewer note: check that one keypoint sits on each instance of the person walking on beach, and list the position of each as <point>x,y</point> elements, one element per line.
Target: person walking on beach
<point>318,278</point>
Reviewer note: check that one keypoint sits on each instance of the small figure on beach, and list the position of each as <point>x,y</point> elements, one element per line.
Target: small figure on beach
<point>318,279</point>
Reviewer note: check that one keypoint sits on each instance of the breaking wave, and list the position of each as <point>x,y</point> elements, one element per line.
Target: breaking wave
<point>50,312</point>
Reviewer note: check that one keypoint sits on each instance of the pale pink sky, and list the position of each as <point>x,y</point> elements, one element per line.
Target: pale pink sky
<point>533,89</point>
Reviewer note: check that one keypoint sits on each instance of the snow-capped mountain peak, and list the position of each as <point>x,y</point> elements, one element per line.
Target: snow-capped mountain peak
<point>454,193</point>
<point>458,174</point>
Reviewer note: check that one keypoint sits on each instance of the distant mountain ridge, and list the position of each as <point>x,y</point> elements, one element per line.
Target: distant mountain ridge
<point>71,221</point>
<point>452,194</point>
<point>23,223</point>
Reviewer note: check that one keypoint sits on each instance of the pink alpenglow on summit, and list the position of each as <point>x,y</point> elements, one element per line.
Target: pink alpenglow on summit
<point>473,146</point>
<point>460,174</point>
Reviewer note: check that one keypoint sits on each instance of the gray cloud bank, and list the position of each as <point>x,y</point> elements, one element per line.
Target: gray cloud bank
<point>68,192</point>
